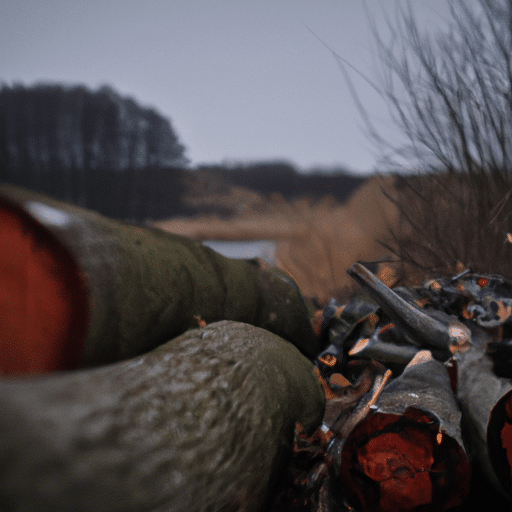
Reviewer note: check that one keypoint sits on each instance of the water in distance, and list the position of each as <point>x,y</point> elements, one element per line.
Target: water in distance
<point>245,249</point>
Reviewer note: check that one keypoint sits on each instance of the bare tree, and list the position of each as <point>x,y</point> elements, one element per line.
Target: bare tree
<point>450,93</point>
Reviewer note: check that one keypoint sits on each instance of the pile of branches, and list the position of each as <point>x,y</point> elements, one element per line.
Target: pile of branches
<point>419,396</point>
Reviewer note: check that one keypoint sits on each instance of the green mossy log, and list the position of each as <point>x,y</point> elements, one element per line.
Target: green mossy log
<point>204,422</point>
<point>103,290</point>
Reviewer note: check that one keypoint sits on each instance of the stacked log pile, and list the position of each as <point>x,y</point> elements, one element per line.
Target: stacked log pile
<point>410,445</point>
<point>143,371</point>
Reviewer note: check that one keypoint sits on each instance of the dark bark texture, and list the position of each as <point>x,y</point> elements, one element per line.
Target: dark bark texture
<point>480,392</point>
<point>202,423</point>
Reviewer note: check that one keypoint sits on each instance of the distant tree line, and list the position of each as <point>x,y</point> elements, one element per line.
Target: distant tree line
<point>283,178</point>
<point>133,195</point>
<point>105,152</point>
<point>95,149</point>
<point>52,125</point>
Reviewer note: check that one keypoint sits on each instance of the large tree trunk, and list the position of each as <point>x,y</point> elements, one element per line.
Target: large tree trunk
<point>79,290</point>
<point>202,423</point>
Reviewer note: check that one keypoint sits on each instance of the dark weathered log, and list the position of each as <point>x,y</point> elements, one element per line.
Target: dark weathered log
<point>408,451</point>
<point>79,289</point>
<point>432,329</point>
<point>202,423</point>
<point>486,402</point>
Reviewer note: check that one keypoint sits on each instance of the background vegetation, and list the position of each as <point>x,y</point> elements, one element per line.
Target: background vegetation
<point>451,95</point>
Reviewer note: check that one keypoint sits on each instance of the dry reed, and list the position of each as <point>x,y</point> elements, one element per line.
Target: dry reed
<point>316,241</point>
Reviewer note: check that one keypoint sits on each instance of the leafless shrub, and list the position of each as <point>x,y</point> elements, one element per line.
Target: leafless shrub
<point>451,95</point>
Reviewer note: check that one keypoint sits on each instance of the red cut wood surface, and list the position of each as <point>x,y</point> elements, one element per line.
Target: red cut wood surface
<point>506,431</point>
<point>43,299</point>
<point>408,454</point>
<point>499,440</point>
<point>400,462</point>
<point>392,462</point>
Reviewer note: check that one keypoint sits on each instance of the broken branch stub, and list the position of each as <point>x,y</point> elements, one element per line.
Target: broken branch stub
<point>80,290</point>
<point>383,351</point>
<point>204,422</point>
<point>408,452</point>
<point>433,329</point>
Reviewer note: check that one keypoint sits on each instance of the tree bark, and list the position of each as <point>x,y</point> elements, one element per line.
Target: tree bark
<point>106,291</point>
<point>202,423</point>
<point>486,402</point>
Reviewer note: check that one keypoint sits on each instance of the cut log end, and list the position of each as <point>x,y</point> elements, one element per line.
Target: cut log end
<point>43,299</point>
<point>499,441</point>
<point>423,356</point>
<point>392,462</point>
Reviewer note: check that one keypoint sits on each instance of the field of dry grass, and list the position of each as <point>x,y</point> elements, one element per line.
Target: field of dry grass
<point>316,241</point>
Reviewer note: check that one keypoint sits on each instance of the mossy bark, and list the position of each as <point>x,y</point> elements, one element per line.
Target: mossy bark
<point>202,423</point>
<point>145,286</point>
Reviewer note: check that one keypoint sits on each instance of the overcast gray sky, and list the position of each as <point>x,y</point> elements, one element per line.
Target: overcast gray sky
<point>239,79</point>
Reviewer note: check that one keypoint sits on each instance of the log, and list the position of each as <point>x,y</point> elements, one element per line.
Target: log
<point>80,290</point>
<point>486,402</point>
<point>427,329</point>
<point>408,452</point>
<point>204,422</point>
